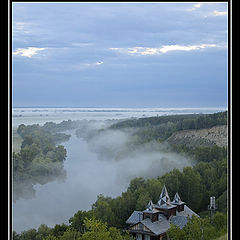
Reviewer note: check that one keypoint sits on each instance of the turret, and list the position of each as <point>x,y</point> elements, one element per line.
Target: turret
<point>178,202</point>
<point>150,212</point>
<point>164,204</point>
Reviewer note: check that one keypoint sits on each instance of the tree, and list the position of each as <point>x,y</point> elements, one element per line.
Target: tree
<point>30,234</point>
<point>191,189</point>
<point>136,183</point>
<point>43,232</point>
<point>198,229</point>
<point>95,230</point>
<point>77,221</point>
<point>220,222</point>
<point>175,233</point>
<point>59,230</point>
<point>15,235</point>
<point>142,200</point>
<point>173,180</point>
<point>28,140</point>
<point>154,187</point>
<point>51,237</point>
<point>70,234</point>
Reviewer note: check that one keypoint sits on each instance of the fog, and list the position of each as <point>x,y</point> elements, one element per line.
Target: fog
<point>98,162</point>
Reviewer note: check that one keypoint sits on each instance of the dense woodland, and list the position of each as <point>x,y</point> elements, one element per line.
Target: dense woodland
<point>106,219</point>
<point>160,128</point>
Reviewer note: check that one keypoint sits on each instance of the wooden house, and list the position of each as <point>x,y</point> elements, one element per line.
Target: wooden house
<point>154,222</point>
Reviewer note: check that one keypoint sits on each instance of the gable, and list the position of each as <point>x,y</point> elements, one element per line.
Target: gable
<point>140,227</point>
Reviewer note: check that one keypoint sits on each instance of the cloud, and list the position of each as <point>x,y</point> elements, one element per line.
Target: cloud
<point>219,13</point>
<point>83,66</point>
<point>195,6</point>
<point>20,27</point>
<point>198,5</point>
<point>162,50</point>
<point>27,52</point>
<point>82,44</point>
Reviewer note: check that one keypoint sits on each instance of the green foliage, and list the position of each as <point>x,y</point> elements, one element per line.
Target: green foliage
<point>59,127</point>
<point>175,233</point>
<point>222,202</point>
<point>77,221</point>
<point>51,237</point>
<point>200,228</point>
<point>43,232</point>
<point>15,235</point>
<point>29,234</point>
<point>201,153</point>
<point>39,159</point>
<point>142,200</point>
<point>220,222</point>
<point>160,128</point>
<point>96,230</point>
<point>58,230</point>
<point>70,234</point>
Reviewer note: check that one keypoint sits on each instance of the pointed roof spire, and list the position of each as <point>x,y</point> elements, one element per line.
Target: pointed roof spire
<point>177,200</point>
<point>150,205</point>
<point>164,200</point>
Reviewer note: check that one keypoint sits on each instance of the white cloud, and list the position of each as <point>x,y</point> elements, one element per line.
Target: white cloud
<point>198,5</point>
<point>27,52</point>
<point>83,66</point>
<point>219,13</point>
<point>20,28</point>
<point>162,50</point>
<point>82,44</point>
<point>195,6</point>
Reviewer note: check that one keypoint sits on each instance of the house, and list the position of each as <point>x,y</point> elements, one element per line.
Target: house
<point>154,222</point>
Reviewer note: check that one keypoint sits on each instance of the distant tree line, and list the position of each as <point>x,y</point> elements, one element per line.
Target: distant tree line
<point>162,127</point>
<point>182,122</point>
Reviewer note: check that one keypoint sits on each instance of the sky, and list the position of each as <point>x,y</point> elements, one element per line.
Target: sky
<point>119,54</point>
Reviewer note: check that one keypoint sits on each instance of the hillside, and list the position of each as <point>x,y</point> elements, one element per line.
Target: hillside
<point>204,137</point>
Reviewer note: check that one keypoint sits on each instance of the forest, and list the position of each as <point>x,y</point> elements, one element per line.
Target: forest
<point>106,219</point>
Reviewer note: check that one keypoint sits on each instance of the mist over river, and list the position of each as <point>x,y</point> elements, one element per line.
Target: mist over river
<point>87,174</point>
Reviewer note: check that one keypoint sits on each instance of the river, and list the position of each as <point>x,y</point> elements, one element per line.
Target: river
<point>87,176</point>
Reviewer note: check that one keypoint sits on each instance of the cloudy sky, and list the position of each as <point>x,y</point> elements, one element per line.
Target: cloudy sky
<point>120,54</point>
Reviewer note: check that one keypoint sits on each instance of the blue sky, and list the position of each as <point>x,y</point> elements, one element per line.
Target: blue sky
<point>120,54</point>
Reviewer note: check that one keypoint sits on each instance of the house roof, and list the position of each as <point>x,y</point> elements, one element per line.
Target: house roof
<point>187,212</point>
<point>135,217</point>
<point>179,221</point>
<point>177,200</point>
<point>163,224</point>
<point>157,227</point>
<point>150,210</point>
<point>164,199</point>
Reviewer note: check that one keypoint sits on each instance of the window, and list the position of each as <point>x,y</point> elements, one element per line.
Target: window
<point>138,236</point>
<point>146,237</point>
